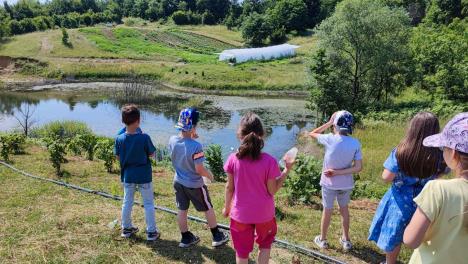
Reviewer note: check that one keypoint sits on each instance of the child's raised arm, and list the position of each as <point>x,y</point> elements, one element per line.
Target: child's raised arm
<point>319,130</point>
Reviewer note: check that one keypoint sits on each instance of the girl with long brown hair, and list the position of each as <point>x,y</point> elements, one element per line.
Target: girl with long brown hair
<point>409,167</point>
<point>253,179</point>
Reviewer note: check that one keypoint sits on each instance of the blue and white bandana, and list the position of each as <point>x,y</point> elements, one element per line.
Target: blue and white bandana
<point>185,122</point>
<point>344,121</point>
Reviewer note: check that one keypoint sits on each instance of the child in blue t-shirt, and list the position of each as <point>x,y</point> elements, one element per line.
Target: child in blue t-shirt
<point>133,150</point>
<point>187,159</point>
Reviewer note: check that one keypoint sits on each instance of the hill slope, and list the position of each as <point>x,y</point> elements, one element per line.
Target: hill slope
<point>185,56</point>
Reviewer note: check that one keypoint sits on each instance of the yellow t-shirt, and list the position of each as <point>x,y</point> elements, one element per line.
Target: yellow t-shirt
<point>445,203</point>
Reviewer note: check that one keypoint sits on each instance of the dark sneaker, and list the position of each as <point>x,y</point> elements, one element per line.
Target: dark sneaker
<point>128,232</point>
<point>190,240</point>
<point>220,239</point>
<point>152,236</point>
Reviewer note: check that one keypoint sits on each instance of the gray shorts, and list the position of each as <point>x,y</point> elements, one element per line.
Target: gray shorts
<point>199,197</point>
<point>328,197</point>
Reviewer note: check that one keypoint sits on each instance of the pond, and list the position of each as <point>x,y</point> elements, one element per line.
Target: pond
<point>97,105</point>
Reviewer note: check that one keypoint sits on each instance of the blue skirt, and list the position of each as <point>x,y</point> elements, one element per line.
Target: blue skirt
<point>391,218</point>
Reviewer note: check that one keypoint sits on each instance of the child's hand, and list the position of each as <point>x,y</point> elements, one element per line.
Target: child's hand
<point>329,172</point>
<point>289,164</point>
<point>226,212</point>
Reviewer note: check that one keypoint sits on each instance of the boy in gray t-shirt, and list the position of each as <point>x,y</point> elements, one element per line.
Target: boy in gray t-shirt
<point>342,158</point>
<point>187,159</point>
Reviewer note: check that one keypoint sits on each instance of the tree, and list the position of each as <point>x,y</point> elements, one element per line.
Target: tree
<point>25,119</point>
<point>444,11</point>
<point>180,18</point>
<point>440,56</point>
<point>364,41</point>
<point>65,38</point>
<point>288,13</point>
<point>255,29</point>
<point>326,93</point>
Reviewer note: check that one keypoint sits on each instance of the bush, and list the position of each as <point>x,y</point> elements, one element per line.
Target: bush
<point>11,144</point>
<point>180,18</point>
<point>304,181</point>
<point>368,189</point>
<point>62,129</point>
<point>66,38</point>
<point>57,150</point>
<point>214,158</point>
<point>85,142</point>
<point>105,152</point>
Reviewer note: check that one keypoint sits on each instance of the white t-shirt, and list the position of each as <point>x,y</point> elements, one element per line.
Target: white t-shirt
<point>340,152</point>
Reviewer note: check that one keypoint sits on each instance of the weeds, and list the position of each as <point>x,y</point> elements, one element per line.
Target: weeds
<point>214,158</point>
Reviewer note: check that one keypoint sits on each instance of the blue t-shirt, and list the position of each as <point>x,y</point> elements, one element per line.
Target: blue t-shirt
<point>185,153</point>
<point>124,129</point>
<point>340,152</point>
<point>134,151</point>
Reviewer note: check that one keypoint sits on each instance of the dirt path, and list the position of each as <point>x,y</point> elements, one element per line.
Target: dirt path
<point>46,46</point>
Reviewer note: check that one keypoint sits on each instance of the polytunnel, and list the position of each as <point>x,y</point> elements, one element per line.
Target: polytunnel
<point>265,53</point>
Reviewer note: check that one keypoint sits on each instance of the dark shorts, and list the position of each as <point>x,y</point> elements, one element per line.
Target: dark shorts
<point>199,197</point>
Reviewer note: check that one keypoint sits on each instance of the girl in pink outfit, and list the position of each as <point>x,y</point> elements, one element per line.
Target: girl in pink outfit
<point>253,179</point>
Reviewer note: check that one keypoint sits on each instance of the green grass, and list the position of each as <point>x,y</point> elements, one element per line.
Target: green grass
<point>46,223</point>
<point>175,55</point>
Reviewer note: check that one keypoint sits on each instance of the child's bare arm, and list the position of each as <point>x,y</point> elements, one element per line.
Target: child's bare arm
<point>415,231</point>
<point>388,176</point>
<point>228,195</point>
<point>319,130</point>
<point>357,167</point>
<point>274,185</point>
<point>202,171</point>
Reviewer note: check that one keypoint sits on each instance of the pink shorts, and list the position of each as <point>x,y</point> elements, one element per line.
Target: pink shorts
<point>244,235</point>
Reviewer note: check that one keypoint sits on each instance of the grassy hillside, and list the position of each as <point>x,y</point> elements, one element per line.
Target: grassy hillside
<point>185,56</point>
<point>50,223</point>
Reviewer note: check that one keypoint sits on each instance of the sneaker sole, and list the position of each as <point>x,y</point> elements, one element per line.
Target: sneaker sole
<point>182,245</point>
<point>219,243</point>
<point>127,235</point>
<point>153,238</point>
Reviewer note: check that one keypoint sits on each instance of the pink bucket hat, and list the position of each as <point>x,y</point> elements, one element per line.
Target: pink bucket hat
<point>454,135</point>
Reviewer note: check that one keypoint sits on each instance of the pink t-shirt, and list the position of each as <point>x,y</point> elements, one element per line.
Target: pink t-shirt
<point>251,202</point>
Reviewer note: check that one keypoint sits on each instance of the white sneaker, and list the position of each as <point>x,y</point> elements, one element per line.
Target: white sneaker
<point>320,243</point>
<point>346,244</point>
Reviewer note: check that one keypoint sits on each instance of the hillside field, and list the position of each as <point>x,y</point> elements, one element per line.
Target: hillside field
<point>182,56</point>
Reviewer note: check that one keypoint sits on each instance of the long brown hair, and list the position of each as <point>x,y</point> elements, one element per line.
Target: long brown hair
<point>413,158</point>
<point>251,133</point>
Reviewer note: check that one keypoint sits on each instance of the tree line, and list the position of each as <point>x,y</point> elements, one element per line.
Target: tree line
<point>274,17</point>
<point>370,51</point>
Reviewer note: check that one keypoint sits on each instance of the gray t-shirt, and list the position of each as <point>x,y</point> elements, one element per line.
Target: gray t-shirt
<point>340,152</point>
<point>185,153</point>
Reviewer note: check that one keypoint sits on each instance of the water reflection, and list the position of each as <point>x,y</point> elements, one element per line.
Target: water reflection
<point>283,119</point>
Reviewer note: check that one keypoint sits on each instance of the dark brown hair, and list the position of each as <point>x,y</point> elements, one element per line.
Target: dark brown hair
<point>130,114</point>
<point>413,158</point>
<point>251,133</point>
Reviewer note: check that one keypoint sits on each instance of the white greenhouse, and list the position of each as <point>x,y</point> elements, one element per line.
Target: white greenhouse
<point>266,53</point>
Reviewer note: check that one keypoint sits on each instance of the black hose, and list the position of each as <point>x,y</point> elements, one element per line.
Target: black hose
<point>281,243</point>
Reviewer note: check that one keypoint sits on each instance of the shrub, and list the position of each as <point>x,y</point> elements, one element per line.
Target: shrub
<point>11,144</point>
<point>214,158</point>
<point>104,152</point>
<point>65,38</point>
<point>180,18</point>
<point>85,142</point>
<point>17,142</point>
<point>57,150</point>
<point>62,129</point>
<point>304,181</point>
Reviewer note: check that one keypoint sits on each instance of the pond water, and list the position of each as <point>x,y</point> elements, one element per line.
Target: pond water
<point>98,107</point>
